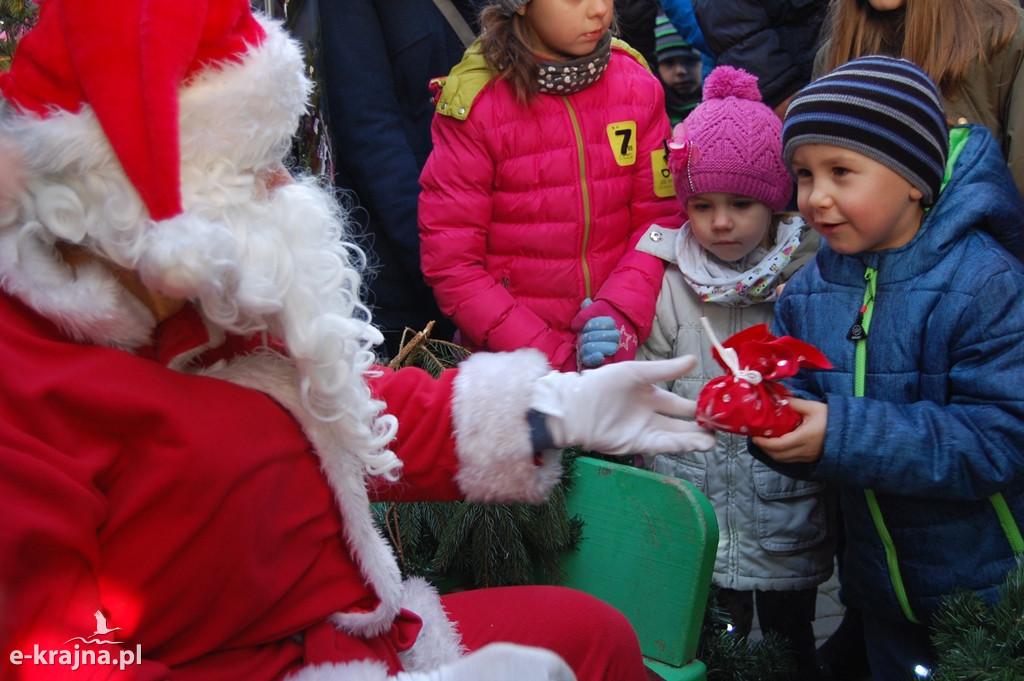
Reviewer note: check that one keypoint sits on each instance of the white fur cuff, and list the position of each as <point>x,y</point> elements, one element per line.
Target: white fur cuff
<point>492,437</point>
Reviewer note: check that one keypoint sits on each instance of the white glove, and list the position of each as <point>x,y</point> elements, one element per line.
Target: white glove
<point>499,662</point>
<point>617,409</point>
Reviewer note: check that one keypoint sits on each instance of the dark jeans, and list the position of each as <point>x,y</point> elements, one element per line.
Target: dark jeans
<point>896,649</point>
<point>789,614</point>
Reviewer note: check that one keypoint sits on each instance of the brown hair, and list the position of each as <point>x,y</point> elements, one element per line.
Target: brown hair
<point>943,37</point>
<point>504,44</point>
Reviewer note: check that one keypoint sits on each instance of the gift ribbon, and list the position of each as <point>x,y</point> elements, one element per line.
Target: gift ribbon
<point>730,357</point>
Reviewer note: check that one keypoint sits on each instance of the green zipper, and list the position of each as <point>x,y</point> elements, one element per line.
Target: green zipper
<point>864,320</point>
<point>957,140</point>
<point>1008,523</point>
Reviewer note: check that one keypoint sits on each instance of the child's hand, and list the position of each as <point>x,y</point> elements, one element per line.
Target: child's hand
<point>806,442</point>
<point>598,341</point>
<point>626,344</point>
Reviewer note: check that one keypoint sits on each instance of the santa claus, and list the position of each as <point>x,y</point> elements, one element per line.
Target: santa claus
<point>191,425</point>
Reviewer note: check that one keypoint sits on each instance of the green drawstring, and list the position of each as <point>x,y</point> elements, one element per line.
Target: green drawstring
<point>1008,523</point>
<point>859,333</point>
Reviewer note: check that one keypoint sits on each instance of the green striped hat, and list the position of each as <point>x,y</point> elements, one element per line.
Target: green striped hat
<point>668,43</point>
<point>882,107</point>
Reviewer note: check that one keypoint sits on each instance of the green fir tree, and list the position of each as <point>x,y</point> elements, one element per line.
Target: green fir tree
<point>469,545</point>
<point>16,17</point>
<point>978,642</point>
<point>729,657</point>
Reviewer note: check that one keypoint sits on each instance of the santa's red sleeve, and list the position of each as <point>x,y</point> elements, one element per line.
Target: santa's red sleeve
<point>465,434</point>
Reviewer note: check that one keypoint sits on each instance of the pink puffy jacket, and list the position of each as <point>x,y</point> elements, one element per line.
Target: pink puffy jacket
<point>525,211</point>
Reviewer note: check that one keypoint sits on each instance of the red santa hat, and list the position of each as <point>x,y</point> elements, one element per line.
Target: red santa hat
<point>132,63</point>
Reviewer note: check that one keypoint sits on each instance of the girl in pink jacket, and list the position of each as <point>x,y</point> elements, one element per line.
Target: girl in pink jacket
<point>548,166</point>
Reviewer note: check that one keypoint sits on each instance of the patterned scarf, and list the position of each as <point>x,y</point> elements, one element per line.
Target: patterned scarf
<point>746,282</point>
<point>567,77</point>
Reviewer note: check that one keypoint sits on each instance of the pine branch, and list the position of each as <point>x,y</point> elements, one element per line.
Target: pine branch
<point>729,657</point>
<point>16,18</point>
<point>418,349</point>
<point>976,641</point>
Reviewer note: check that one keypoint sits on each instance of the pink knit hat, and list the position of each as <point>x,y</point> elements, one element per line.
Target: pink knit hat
<point>732,142</point>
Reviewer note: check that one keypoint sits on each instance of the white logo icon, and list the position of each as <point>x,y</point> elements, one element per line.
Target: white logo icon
<point>101,630</point>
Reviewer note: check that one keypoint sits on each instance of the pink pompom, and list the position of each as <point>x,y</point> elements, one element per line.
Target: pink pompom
<point>727,81</point>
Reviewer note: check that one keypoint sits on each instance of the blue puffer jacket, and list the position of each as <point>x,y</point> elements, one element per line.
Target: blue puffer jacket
<point>942,425</point>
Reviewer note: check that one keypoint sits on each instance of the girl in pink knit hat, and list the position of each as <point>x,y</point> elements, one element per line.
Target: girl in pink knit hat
<point>726,265</point>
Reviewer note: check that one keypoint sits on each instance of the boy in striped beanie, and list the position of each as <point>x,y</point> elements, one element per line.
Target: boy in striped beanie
<point>886,109</point>
<point>914,297</point>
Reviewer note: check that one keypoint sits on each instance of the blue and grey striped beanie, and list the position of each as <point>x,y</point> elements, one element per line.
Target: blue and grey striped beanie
<point>882,107</point>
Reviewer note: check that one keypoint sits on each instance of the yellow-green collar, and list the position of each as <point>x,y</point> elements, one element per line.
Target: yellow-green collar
<point>462,85</point>
<point>460,88</point>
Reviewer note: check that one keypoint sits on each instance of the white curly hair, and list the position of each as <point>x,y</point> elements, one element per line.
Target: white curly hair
<point>253,259</point>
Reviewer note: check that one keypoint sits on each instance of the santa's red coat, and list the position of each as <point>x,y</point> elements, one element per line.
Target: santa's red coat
<point>191,511</point>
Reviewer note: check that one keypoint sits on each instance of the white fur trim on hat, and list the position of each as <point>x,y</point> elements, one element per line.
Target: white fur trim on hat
<point>232,112</point>
<point>241,111</point>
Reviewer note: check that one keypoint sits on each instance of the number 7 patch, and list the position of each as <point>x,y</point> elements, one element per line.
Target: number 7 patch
<point>622,137</point>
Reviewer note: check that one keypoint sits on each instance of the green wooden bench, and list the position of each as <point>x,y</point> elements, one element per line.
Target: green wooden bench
<point>648,549</point>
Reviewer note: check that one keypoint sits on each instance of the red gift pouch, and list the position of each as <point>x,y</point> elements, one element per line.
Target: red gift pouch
<point>748,400</point>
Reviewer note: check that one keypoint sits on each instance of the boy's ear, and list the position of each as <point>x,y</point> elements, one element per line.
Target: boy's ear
<point>916,194</point>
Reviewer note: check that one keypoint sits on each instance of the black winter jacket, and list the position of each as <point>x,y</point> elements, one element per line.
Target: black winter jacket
<point>773,39</point>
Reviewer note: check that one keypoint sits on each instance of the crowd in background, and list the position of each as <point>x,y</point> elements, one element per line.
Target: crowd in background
<point>504,286</point>
<point>560,187</point>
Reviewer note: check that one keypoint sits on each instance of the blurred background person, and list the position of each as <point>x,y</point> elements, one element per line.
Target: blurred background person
<point>378,59</point>
<point>773,39</point>
<point>972,49</point>
<point>680,70</point>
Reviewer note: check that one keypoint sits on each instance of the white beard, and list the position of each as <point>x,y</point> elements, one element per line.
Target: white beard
<point>280,266</point>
